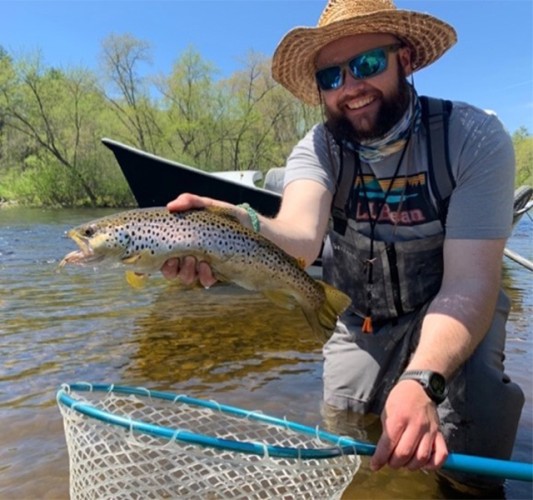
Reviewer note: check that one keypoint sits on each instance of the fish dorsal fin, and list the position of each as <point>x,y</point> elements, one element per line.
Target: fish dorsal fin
<point>301,262</point>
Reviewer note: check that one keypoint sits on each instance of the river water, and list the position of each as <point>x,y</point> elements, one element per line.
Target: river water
<point>224,344</point>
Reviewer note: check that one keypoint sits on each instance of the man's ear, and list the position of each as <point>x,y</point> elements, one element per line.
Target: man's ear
<point>404,57</point>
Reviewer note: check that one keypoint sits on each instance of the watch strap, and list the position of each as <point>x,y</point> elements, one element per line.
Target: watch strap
<point>423,378</point>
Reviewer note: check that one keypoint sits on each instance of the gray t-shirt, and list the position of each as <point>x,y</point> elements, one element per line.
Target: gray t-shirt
<point>482,161</point>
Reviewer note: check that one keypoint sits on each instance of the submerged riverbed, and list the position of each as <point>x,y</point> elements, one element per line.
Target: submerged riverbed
<point>224,344</point>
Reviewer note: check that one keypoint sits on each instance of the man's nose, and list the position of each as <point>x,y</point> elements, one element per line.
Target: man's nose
<point>350,82</point>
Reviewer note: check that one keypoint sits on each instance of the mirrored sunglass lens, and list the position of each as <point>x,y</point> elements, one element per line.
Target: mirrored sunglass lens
<point>329,78</point>
<point>369,64</point>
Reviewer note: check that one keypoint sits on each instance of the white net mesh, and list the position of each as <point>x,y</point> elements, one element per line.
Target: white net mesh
<point>109,461</point>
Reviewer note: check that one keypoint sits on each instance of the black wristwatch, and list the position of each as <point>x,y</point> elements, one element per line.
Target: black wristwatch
<point>433,383</point>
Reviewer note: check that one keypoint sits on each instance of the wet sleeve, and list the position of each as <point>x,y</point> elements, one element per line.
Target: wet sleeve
<point>481,205</point>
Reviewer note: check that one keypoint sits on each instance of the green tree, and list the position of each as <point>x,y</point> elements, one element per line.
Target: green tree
<point>129,91</point>
<point>523,145</point>
<point>194,110</point>
<point>246,121</point>
<point>265,118</point>
<point>252,118</point>
<point>52,110</point>
<point>51,121</point>
<point>50,143</point>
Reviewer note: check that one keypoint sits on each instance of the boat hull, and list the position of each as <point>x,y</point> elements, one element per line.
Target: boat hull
<point>154,181</point>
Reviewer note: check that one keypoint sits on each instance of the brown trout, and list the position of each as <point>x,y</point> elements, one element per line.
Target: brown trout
<point>143,239</point>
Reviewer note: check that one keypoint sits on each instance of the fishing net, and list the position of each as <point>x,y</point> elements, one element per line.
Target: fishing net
<point>135,443</point>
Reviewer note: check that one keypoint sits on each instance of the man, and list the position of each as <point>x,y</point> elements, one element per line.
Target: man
<point>422,344</point>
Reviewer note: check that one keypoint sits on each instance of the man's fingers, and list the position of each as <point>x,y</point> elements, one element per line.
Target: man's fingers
<point>384,448</point>
<point>412,451</point>
<point>406,448</point>
<point>187,271</point>
<point>205,274</point>
<point>439,455</point>
<point>422,455</point>
<point>186,201</point>
<point>170,268</point>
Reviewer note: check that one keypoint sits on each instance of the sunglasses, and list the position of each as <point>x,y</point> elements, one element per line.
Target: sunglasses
<point>366,65</point>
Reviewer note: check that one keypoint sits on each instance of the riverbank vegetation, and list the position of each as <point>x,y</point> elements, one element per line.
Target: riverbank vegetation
<point>52,120</point>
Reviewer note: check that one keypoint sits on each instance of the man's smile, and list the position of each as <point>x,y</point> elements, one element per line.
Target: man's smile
<point>360,102</point>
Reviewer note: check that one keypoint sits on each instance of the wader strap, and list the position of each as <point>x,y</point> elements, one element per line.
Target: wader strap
<point>345,184</point>
<point>435,117</point>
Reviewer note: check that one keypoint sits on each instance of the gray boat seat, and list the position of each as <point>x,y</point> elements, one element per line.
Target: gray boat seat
<point>274,179</point>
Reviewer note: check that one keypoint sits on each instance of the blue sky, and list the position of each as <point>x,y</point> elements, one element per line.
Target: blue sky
<point>491,66</point>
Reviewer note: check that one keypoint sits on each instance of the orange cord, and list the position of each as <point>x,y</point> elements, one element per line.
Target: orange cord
<point>367,325</point>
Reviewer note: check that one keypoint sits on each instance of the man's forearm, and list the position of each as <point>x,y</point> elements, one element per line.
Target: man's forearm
<point>455,323</point>
<point>301,223</point>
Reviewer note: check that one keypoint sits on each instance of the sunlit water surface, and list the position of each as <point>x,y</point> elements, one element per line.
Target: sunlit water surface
<point>225,344</point>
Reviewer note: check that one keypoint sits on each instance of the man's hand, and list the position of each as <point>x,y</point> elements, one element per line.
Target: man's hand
<point>411,437</point>
<point>187,269</point>
<point>186,201</point>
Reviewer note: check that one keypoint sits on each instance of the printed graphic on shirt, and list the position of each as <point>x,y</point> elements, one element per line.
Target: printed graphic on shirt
<point>407,204</point>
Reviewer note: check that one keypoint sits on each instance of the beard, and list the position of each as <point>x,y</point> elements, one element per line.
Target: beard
<point>390,112</point>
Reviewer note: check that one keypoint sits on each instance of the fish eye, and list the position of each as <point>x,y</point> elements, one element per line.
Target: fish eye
<point>89,231</point>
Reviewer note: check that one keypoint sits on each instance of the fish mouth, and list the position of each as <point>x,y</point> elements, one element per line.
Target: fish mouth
<point>84,255</point>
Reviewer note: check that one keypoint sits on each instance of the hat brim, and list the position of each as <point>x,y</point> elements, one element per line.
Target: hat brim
<point>293,63</point>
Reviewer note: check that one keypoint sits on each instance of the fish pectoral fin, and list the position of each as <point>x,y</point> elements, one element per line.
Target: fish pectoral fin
<point>132,259</point>
<point>144,257</point>
<point>281,299</point>
<point>136,280</point>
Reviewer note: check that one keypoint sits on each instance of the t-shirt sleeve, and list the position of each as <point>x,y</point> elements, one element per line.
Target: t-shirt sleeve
<point>310,159</point>
<point>482,157</point>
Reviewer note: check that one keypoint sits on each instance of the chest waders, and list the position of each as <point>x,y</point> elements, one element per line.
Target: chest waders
<point>399,276</point>
<point>360,369</point>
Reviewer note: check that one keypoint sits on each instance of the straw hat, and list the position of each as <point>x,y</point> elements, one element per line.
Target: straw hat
<point>293,64</point>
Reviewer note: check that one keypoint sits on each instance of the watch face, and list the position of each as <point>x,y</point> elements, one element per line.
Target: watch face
<point>437,383</point>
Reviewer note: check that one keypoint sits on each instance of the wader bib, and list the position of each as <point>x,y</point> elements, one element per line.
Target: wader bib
<point>405,274</point>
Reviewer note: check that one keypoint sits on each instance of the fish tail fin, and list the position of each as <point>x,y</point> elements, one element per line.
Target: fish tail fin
<point>324,320</point>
